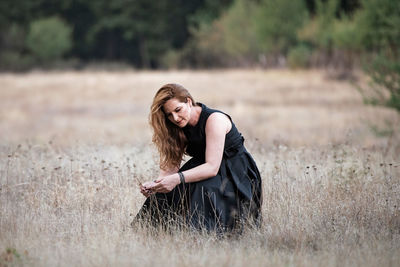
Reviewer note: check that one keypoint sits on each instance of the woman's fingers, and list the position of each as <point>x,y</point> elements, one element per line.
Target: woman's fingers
<point>158,186</point>
<point>146,189</point>
<point>143,191</point>
<point>147,193</point>
<point>162,188</point>
<point>149,185</point>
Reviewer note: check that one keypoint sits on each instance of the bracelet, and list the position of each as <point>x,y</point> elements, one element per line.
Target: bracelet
<point>182,177</point>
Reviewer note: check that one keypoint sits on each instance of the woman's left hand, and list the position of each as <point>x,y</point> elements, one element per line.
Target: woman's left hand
<point>165,184</point>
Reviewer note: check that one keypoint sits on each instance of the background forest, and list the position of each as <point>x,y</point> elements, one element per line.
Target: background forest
<point>197,33</point>
<point>338,35</point>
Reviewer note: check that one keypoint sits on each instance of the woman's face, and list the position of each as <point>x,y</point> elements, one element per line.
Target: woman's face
<point>178,112</point>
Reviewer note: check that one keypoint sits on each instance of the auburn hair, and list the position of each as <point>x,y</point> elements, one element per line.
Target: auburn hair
<point>168,138</point>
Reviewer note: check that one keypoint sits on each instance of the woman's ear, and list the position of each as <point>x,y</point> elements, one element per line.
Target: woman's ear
<point>189,101</point>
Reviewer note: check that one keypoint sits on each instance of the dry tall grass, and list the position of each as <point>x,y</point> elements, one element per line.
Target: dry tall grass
<point>72,143</point>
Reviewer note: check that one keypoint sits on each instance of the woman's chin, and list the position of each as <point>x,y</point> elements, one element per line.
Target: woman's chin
<point>181,124</point>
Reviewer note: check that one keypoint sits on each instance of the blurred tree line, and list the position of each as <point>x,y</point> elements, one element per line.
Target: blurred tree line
<point>196,33</point>
<point>334,34</point>
<point>137,32</point>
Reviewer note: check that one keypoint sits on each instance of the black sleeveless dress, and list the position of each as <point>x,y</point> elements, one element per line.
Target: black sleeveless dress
<point>224,202</point>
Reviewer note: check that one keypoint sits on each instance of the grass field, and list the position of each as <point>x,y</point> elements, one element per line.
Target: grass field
<point>73,145</point>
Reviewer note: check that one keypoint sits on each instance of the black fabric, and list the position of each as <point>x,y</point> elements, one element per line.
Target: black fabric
<point>220,203</point>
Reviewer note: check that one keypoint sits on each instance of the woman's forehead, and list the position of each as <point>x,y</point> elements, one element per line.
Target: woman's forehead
<point>171,105</point>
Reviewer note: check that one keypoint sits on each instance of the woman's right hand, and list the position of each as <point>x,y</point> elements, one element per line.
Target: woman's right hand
<point>145,188</point>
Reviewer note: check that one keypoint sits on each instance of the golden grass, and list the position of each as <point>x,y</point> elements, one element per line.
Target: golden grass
<point>73,142</point>
<point>295,108</point>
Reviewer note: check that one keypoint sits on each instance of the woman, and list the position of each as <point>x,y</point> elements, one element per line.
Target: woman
<point>219,188</point>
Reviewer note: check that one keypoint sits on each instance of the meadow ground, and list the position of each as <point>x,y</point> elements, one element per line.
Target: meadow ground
<point>74,144</point>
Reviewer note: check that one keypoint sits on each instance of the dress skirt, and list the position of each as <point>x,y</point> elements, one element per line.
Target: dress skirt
<point>225,202</point>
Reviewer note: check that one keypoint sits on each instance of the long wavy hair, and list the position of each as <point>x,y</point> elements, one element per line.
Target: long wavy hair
<point>169,138</point>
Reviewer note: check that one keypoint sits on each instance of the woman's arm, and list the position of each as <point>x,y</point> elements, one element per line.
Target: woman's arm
<point>217,126</point>
<point>167,172</point>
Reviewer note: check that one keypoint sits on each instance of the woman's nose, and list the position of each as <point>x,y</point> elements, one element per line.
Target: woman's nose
<point>175,116</point>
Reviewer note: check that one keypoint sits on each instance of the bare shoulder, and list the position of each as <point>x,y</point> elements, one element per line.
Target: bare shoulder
<point>218,120</point>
